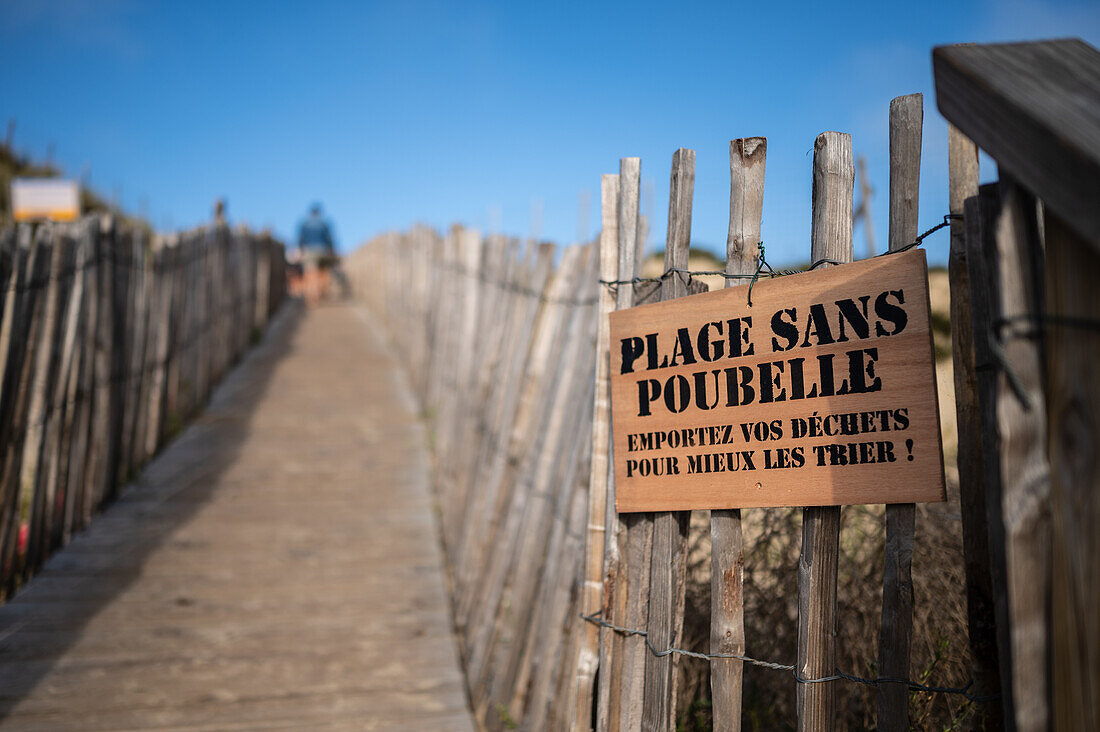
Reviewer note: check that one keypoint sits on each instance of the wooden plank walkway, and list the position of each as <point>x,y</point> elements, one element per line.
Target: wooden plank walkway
<point>277,567</point>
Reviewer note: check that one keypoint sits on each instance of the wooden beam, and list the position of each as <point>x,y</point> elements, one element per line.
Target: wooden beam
<point>1073,395</point>
<point>1014,99</point>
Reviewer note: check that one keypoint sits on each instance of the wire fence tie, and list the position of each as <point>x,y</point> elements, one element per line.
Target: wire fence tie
<point>964,691</point>
<point>763,266</point>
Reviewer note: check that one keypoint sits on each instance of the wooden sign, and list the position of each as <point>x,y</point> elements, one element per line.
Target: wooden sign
<point>45,199</point>
<point>821,393</point>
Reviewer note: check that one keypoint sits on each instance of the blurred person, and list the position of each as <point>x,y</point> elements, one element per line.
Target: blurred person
<point>317,254</point>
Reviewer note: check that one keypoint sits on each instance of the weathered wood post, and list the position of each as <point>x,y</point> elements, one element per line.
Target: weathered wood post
<point>973,495</point>
<point>830,238</point>
<point>554,484</point>
<point>625,571</point>
<point>39,406</point>
<point>1014,99</point>
<point>600,497</point>
<point>668,567</point>
<point>981,215</point>
<point>748,159</point>
<point>12,334</point>
<point>906,122</point>
<point>61,409</point>
<point>26,319</point>
<point>1072,270</point>
<point>1025,471</point>
<point>549,671</point>
<point>488,590</point>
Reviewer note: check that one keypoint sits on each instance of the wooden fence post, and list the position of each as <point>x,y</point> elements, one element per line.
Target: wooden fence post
<point>81,475</point>
<point>630,576</point>
<point>1025,472</point>
<point>13,258</point>
<point>748,159</point>
<point>60,410</point>
<point>598,507</point>
<point>26,317</point>
<point>973,496</point>
<point>982,212</point>
<point>668,567</point>
<point>39,408</point>
<point>1072,269</point>
<point>906,121</point>
<point>830,238</point>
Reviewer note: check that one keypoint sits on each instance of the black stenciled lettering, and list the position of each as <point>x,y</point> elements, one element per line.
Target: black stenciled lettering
<point>770,388</point>
<point>649,390</point>
<point>711,350</point>
<point>739,389</point>
<point>901,419</point>
<point>854,316</point>
<point>683,353</point>
<point>632,348</point>
<point>817,324</point>
<point>651,353</point>
<point>677,393</point>
<point>701,399</point>
<point>785,329</point>
<point>890,312</point>
<point>740,345</point>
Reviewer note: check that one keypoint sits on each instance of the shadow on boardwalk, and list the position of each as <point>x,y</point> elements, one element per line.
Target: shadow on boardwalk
<point>276,567</point>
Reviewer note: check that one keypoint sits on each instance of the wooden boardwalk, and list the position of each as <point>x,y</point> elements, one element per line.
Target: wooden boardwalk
<point>277,567</point>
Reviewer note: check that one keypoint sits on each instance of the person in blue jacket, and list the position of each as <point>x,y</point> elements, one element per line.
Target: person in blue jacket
<point>317,248</point>
<point>315,235</point>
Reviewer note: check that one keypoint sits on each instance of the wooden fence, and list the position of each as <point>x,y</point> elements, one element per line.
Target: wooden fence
<point>501,345</point>
<point>1024,271</point>
<point>570,616</point>
<point>110,339</point>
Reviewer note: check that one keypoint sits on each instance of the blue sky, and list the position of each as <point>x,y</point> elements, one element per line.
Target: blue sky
<point>435,112</point>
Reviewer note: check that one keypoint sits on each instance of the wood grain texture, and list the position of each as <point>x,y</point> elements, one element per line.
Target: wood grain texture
<point>667,564</point>
<point>551,500</point>
<point>635,532</point>
<point>1025,471</point>
<point>1010,98</point>
<point>489,589</point>
<point>596,646</point>
<point>830,238</point>
<point>542,666</point>
<point>973,496</point>
<point>906,128</point>
<point>39,408</point>
<point>14,342</point>
<point>903,367</point>
<point>531,331</point>
<point>1073,410</point>
<point>511,469</point>
<point>748,160</point>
